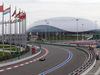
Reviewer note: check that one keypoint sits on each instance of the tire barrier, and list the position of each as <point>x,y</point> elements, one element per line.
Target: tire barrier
<point>90,62</point>
<point>97,56</point>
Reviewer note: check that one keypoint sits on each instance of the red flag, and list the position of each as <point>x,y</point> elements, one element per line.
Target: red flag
<point>19,14</point>
<point>37,33</point>
<point>23,16</point>
<point>1,8</point>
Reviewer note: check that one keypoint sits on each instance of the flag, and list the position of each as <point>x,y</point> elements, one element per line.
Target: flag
<point>6,11</point>
<point>11,22</point>
<point>18,14</point>
<point>15,21</point>
<point>14,13</point>
<point>19,20</point>
<point>1,8</point>
<point>37,33</point>
<point>7,22</point>
<point>22,16</point>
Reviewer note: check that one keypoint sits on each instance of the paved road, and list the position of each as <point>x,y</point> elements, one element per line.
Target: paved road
<point>54,58</point>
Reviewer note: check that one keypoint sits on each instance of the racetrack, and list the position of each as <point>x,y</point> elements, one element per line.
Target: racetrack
<point>55,57</point>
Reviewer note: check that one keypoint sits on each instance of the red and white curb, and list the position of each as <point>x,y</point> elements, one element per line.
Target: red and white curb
<point>26,62</point>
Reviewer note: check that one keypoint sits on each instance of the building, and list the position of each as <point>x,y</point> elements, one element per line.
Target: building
<point>64,26</point>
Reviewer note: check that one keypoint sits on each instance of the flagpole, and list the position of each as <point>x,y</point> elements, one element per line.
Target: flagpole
<point>5,32</point>
<point>19,27</point>
<point>15,32</point>
<point>10,29</point>
<point>3,29</point>
<point>22,32</point>
<point>21,35</point>
<point>25,33</point>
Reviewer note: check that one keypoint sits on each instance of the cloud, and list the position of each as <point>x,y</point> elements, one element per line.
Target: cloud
<point>89,1</point>
<point>40,9</point>
<point>68,1</point>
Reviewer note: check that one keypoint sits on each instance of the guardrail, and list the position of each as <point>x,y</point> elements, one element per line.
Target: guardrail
<point>87,65</point>
<point>50,44</point>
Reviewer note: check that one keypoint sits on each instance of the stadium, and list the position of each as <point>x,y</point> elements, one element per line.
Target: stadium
<point>64,26</point>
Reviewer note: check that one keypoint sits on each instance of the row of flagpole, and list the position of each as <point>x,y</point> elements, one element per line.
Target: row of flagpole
<point>19,38</point>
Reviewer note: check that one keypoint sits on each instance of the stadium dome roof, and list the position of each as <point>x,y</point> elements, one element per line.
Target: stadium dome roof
<point>69,24</point>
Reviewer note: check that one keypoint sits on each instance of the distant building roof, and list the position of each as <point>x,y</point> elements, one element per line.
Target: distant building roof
<point>64,24</point>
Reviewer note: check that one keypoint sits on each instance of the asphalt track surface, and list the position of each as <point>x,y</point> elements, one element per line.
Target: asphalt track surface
<point>55,57</point>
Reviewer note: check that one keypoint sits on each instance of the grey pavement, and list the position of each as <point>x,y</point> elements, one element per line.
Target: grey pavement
<point>5,50</point>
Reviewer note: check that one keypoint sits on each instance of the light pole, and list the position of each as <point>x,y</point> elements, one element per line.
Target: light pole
<point>77,28</point>
<point>47,27</point>
<point>82,32</point>
<point>56,34</point>
<point>63,35</point>
<point>95,25</point>
<point>96,29</point>
<point>45,31</point>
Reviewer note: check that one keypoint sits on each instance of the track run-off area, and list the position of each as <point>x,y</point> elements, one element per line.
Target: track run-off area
<point>60,60</point>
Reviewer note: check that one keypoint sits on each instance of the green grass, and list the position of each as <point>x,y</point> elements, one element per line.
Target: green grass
<point>13,49</point>
<point>6,46</point>
<point>6,53</point>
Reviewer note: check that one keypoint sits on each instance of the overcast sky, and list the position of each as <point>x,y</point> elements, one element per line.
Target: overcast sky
<point>44,9</point>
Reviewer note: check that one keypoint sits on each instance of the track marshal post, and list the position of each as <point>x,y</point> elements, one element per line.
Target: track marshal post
<point>33,50</point>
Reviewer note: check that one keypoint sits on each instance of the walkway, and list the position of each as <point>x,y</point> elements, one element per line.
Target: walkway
<point>6,50</point>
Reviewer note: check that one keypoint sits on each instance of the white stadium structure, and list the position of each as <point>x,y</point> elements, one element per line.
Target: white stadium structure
<point>64,24</point>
